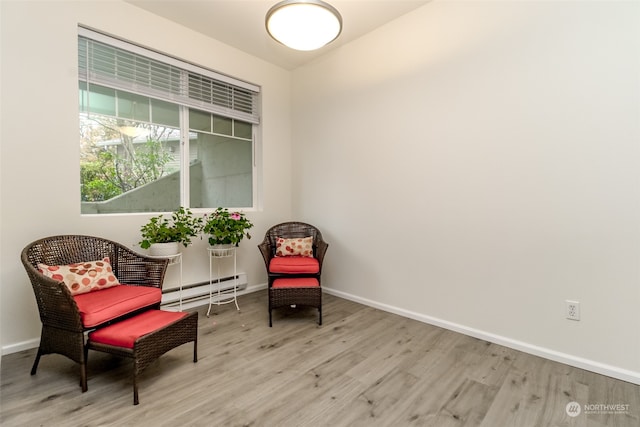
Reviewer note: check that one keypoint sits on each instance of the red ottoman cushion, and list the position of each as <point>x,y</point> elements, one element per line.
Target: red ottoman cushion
<point>294,264</point>
<point>298,282</point>
<point>125,333</point>
<point>102,306</point>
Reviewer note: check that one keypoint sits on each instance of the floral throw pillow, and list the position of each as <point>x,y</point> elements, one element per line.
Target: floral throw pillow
<point>82,277</point>
<point>302,246</point>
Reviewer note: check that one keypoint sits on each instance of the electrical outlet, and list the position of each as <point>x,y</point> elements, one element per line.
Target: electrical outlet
<point>572,310</point>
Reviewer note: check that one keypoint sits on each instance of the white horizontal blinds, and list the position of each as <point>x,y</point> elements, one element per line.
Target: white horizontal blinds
<point>213,92</point>
<point>113,66</point>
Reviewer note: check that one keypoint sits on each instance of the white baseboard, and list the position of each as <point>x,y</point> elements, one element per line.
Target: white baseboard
<point>567,359</point>
<point>24,345</point>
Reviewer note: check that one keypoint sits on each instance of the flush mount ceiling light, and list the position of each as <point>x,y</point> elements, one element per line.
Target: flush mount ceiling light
<point>303,24</point>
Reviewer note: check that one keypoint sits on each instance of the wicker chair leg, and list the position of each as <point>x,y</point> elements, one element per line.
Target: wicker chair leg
<point>320,316</point>
<point>83,369</point>
<point>136,370</point>
<point>34,368</point>
<point>83,376</point>
<point>270,309</point>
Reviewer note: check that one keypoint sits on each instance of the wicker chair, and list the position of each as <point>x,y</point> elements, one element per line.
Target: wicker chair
<point>299,285</point>
<point>63,331</point>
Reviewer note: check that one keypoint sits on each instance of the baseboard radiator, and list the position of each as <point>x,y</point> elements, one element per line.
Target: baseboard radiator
<point>197,294</point>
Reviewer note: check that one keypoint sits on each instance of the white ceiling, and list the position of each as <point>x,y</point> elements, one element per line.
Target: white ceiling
<point>240,23</point>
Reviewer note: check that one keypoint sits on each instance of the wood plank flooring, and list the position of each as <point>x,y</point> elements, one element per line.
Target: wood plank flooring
<point>363,367</point>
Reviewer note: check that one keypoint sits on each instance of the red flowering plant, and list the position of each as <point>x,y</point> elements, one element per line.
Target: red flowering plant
<point>226,228</point>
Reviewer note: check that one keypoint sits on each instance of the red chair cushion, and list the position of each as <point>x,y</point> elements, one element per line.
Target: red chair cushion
<point>295,282</point>
<point>294,264</point>
<point>102,306</point>
<point>125,333</point>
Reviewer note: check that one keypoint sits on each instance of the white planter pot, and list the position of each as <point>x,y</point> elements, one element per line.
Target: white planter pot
<point>222,246</point>
<point>164,249</point>
<point>221,250</point>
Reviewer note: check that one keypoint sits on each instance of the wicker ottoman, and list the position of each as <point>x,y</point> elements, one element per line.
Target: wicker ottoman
<point>294,291</point>
<point>145,337</point>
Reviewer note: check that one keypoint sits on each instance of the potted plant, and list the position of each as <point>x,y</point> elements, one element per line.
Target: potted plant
<point>163,235</point>
<point>226,228</point>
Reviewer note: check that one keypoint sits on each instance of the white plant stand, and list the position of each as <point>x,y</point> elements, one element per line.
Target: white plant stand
<point>174,259</point>
<point>221,297</point>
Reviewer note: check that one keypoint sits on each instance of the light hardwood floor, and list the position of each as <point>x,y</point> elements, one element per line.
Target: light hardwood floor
<point>363,367</point>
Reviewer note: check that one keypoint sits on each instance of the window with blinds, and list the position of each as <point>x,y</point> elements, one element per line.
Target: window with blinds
<point>158,133</point>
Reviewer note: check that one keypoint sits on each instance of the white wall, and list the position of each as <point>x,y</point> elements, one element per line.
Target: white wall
<point>39,140</point>
<point>475,164</point>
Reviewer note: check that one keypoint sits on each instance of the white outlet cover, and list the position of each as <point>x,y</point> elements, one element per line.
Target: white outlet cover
<point>572,310</point>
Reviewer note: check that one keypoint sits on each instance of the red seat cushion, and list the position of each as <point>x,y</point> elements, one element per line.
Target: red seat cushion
<point>296,282</point>
<point>294,264</point>
<point>125,333</point>
<point>104,305</point>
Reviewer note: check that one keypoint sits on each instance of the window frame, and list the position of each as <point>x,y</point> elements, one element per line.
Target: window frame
<point>212,84</point>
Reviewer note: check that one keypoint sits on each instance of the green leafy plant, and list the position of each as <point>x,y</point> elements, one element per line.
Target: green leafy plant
<point>181,228</point>
<point>226,228</point>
